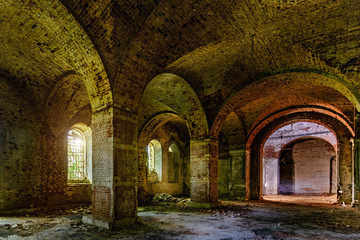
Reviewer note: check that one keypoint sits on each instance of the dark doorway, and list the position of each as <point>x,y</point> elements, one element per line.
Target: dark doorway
<point>287,173</point>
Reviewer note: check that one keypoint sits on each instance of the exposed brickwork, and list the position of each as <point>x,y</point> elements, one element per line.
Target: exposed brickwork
<point>103,164</point>
<point>101,202</point>
<point>114,166</point>
<point>203,170</point>
<point>313,166</point>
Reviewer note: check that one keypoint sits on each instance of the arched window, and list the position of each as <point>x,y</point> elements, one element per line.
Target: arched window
<point>173,163</point>
<point>151,156</point>
<point>154,155</point>
<point>76,155</point>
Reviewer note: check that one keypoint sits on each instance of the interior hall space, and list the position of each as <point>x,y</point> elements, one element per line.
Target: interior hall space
<point>194,119</point>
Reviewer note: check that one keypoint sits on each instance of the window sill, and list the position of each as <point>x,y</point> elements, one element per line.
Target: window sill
<point>78,183</point>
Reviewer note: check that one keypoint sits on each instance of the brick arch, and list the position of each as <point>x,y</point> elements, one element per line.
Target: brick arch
<point>275,82</point>
<point>54,45</point>
<point>331,121</point>
<point>170,93</point>
<point>156,121</point>
<point>257,128</point>
<point>89,65</point>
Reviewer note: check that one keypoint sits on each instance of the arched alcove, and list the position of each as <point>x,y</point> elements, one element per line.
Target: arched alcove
<point>231,160</point>
<point>174,162</point>
<point>172,134</point>
<point>154,160</point>
<point>300,159</point>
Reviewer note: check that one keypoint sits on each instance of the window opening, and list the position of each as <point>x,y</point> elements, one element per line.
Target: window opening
<point>76,155</point>
<point>154,160</point>
<point>151,156</point>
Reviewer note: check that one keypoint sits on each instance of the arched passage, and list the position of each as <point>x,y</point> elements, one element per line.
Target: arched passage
<point>256,144</point>
<point>169,93</point>
<point>231,159</point>
<point>300,158</point>
<point>268,95</point>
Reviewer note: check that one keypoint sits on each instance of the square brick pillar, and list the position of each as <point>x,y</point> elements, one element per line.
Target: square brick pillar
<point>203,173</point>
<point>114,197</point>
<point>247,175</point>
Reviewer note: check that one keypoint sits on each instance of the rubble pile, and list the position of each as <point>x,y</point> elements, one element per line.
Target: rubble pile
<point>164,197</point>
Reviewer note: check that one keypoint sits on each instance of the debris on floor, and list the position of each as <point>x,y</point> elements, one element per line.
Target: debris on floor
<point>232,220</point>
<point>167,200</point>
<point>164,197</point>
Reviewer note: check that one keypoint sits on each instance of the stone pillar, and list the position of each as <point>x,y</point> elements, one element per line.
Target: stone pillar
<point>357,158</point>
<point>237,182</point>
<point>345,170</point>
<point>247,175</point>
<point>203,172</point>
<point>142,175</point>
<point>114,198</point>
<point>357,165</point>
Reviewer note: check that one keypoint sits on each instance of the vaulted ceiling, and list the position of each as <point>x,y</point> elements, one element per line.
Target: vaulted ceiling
<point>218,47</point>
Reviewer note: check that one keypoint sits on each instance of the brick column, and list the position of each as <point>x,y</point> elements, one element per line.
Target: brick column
<point>247,175</point>
<point>345,156</point>
<point>203,172</point>
<point>357,159</point>
<point>114,197</point>
<point>142,176</point>
<point>237,180</point>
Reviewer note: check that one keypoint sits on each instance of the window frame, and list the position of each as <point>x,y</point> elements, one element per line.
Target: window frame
<point>84,178</point>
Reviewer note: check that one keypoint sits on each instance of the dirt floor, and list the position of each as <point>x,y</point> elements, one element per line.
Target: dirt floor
<point>233,220</point>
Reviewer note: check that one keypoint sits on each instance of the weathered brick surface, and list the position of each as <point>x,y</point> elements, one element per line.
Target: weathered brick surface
<point>101,202</point>
<point>46,43</point>
<point>103,163</point>
<point>203,170</point>
<point>114,164</point>
<point>313,166</point>
<point>267,56</point>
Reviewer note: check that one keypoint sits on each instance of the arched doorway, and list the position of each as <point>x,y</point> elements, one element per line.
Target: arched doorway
<point>307,166</point>
<point>300,159</point>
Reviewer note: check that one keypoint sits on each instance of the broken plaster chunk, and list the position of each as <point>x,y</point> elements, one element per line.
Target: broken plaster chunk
<point>14,226</point>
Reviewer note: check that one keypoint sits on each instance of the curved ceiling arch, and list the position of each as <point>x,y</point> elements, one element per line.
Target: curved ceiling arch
<point>286,90</point>
<point>168,92</point>
<point>43,42</point>
<point>300,132</point>
<point>311,114</point>
<point>156,122</point>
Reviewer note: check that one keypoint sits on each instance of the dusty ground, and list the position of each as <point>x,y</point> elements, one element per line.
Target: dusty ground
<point>234,220</point>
